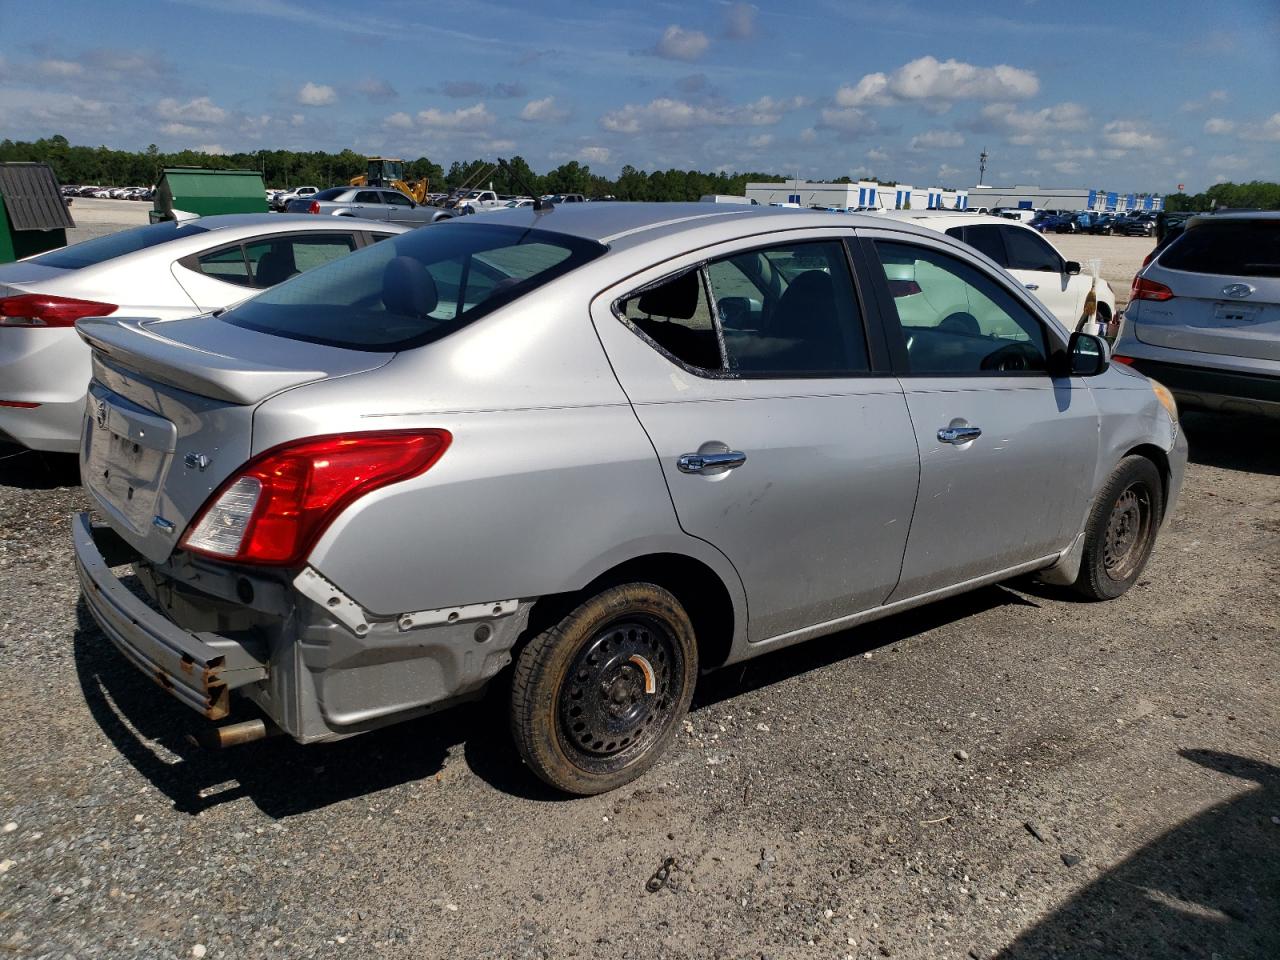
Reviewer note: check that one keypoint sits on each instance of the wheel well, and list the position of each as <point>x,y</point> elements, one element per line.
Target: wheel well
<point>1161,460</point>
<point>698,588</point>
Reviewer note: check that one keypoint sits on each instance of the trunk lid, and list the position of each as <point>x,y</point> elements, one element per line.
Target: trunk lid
<point>170,414</point>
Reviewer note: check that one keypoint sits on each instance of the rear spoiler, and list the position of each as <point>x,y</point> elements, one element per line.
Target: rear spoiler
<point>128,341</point>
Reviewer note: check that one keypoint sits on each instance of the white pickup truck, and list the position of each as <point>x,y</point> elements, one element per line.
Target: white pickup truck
<point>476,201</point>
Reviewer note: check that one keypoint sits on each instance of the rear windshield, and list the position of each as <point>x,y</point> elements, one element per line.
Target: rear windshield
<point>101,249</point>
<point>413,288</point>
<point>333,193</point>
<point>1234,248</point>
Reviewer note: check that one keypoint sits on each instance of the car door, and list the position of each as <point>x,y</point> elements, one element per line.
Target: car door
<point>1007,452</point>
<point>783,440</point>
<point>369,205</point>
<point>400,209</point>
<point>1041,269</point>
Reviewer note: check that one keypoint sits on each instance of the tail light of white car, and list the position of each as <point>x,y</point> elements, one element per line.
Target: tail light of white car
<point>274,509</point>
<point>46,310</point>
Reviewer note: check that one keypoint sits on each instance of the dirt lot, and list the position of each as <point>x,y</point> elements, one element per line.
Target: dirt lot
<point>1121,257</point>
<point>1008,773</point>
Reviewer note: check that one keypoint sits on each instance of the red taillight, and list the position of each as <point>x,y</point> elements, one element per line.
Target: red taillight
<point>315,207</point>
<point>1121,358</point>
<point>275,508</point>
<point>1144,289</point>
<point>44,310</point>
<point>1146,261</point>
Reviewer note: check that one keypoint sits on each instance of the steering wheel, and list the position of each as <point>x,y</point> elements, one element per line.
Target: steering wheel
<point>1014,357</point>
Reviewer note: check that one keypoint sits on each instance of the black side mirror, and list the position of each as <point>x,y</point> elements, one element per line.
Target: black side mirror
<point>1087,355</point>
<point>1072,267</point>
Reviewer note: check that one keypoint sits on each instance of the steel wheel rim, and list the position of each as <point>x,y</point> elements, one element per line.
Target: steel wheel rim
<point>1127,530</point>
<point>606,714</point>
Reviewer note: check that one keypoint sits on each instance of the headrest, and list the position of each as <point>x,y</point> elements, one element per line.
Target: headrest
<point>677,299</point>
<point>408,288</point>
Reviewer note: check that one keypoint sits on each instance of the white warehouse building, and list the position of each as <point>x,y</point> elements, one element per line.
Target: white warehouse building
<point>863,195</point>
<point>1029,197</point>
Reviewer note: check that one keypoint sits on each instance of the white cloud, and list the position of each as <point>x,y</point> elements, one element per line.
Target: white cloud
<point>849,120</point>
<point>59,68</point>
<point>199,110</point>
<point>680,44</point>
<point>877,155</point>
<point>760,141</point>
<point>1067,167</point>
<point>545,110</point>
<point>399,121</point>
<point>594,154</point>
<point>1026,126</point>
<point>1213,96</point>
<point>296,120</point>
<point>1268,129</point>
<point>1130,135</point>
<point>316,94</point>
<point>936,139</point>
<point>179,130</point>
<point>1228,161</point>
<point>667,113</point>
<point>808,135</point>
<point>1218,126</point>
<point>928,79</point>
<point>475,117</point>
<point>740,21</point>
<point>215,149</point>
<point>947,172</point>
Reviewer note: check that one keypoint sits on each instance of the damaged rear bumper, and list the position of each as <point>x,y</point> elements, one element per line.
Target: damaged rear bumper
<point>317,664</point>
<point>199,670</point>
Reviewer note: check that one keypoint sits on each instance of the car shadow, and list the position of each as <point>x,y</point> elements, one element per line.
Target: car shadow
<point>1209,887</point>
<point>284,778</point>
<point>37,470</point>
<point>1233,441</point>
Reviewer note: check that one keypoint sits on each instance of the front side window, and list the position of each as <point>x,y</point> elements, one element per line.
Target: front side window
<point>781,311</point>
<point>954,319</point>
<point>413,288</point>
<point>395,198</point>
<point>1029,251</point>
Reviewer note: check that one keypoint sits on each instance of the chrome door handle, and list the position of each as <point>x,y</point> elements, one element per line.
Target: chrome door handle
<point>1032,286</point>
<point>705,462</point>
<point>959,435</point>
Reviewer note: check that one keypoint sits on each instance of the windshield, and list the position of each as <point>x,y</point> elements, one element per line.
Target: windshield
<point>1234,248</point>
<point>92,252</point>
<point>414,288</point>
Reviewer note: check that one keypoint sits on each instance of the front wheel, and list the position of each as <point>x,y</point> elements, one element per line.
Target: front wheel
<point>1121,530</point>
<point>597,697</point>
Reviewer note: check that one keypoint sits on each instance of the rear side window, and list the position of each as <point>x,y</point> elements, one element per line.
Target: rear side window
<point>984,237</point>
<point>332,193</point>
<point>368,196</point>
<point>785,311</point>
<point>1234,248</point>
<point>1027,251</point>
<point>414,288</point>
<point>101,249</point>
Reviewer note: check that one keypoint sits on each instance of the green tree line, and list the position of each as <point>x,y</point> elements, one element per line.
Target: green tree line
<point>1256,194</point>
<point>102,166</point>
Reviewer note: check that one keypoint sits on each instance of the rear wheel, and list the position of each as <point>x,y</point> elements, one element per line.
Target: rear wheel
<point>596,698</point>
<point>1121,530</point>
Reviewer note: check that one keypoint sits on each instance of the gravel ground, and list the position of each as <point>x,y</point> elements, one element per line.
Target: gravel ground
<point>1009,773</point>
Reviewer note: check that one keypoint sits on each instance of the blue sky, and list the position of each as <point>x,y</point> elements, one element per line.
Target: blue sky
<point>1123,95</point>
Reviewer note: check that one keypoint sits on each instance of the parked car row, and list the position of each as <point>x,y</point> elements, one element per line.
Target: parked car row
<point>1092,222</point>
<point>109,193</point>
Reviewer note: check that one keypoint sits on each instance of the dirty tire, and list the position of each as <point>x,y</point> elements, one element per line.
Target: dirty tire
<point>1121,530</point>
<point>582,715</point>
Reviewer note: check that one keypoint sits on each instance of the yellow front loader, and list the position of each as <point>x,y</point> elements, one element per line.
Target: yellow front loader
<point>389,172</point>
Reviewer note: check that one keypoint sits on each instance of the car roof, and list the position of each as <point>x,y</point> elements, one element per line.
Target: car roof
<point>290,222</point>
<point>941,219</point>
<point>610,223</point>
<point>1237,215</point>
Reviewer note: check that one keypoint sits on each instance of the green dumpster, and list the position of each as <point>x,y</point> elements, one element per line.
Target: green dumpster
<point>33,216</point>
<point>190,191</point>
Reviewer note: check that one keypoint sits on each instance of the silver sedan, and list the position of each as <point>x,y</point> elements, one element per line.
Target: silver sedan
<point>371,203</point>
<point>163,270</point>
<point>594,451</point>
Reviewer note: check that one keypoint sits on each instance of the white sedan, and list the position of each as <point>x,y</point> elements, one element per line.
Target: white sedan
<point>1052,279</point>
<point>165,270</point>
